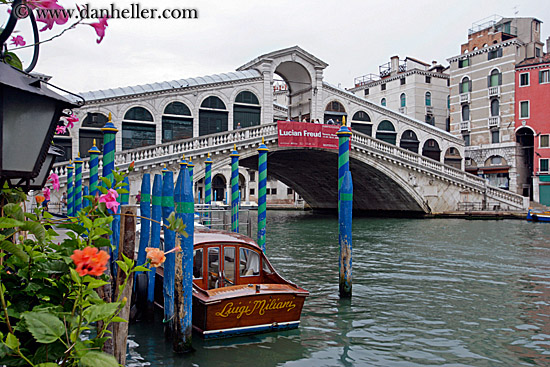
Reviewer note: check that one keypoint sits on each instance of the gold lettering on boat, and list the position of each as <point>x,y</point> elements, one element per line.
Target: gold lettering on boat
<point>259,306</point>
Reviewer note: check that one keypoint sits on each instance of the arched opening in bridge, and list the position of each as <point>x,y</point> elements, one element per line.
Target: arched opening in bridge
<point>431,150</point>
<point>334,111</point>
<point>138,128</point>
<point>177,122</point>
<point>361,122</point>
<point>386,132</point>
<point>90,129</point>
<point>496,172</point>
<point>300,89</point>
<point>218,188</point>
<point>213,116</point>
<point>452,158</point>
<point>199,191</point>
<point>246,110</point>
<point>526,140</point>
<point>242,188</point>
<point>409,141</point>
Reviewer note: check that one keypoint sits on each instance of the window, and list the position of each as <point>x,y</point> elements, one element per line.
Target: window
<point>466,139</point>
<point>366,91</point>
<point>274,191</point>
<point>138,129</point>
<point>177,122</point>
<point>403,99</point>
<point>249,263</point>
<point>524,109</point>
<point>466,113</point>
<point>496,161</point>
<point>494,54</point>
<point>463,63</point>
<point>383,86</point>
<point>197,263</point>
<point>428,79</point>
<point>403,81</point>
<point>495,137</point>
<point>430,119</point>
<point>383,102</point>
<point>494,79</point>
<point>289,191</point>
<point>543,165</point>
<point>544,76</point>
<point>465,85</point>
<point>268,191</point>
<point>449,102</point>
<point>495,107</point>
<point>252,192</point>
<point>537,52</point>
<point>544,141</point>
<point>229,266</point>
<point>523,79</point>
<point>246,110</point>
<point>428,99</point>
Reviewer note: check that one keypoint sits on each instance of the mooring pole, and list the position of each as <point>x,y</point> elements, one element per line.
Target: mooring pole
<point>262,197</point>
<point>145,231</point>
<point>234,190</point>
<point>78,184</point>
<point>155,240</point>
<point>85,192</point>
<point>345,219</point>
<point>207,188</point>
<point>70,190</point>
<point>169,244</point>
<point>190,167</point>
<point>125,198</point>
<point>345,236</point>
<point>94,168</point>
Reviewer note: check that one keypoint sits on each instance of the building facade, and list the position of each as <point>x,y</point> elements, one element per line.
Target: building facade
<point>532,123</point>
<point>412,87</point>
<point>482,102</point>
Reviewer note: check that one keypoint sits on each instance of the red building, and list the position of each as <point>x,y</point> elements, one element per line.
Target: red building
<point>532,120</point>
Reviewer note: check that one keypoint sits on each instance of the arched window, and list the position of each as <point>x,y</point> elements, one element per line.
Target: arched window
<point>361,122</point>
<point>465,112</point>
<point>403,99</point>
<point>386,132</point>
<point>409,141</point>
<point>494,79</point>
<point>431,150</point>
<point>177,122</point>
<point>90,129</point>
<point>138,129</point>
<point>213,116</point>
<point>246,110</point>
<point>218,188</point>
<point>448,102</point>
<point>465,85</point>
<point>495,107</point>
<point>452,158</point>
<point>335,111</point>
<point>428,99</point>
<point>383,102</point>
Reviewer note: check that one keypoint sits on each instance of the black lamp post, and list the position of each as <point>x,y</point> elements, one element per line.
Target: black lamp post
<point>39,181</point>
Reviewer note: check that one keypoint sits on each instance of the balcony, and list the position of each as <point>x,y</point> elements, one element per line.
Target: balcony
<point>465,97</point>
<point>465,125</point>
<point>494,91</point>
<point>494,121</point>
<point>403,110</point>
<point>429,110</point>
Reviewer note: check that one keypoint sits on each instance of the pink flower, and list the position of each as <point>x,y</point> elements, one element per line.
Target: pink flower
<point>46,193</point>
<point>110,200</point>
<point>56,13</point>
<point>100,28</point>
<point>71,121</point>
<point>55,181</point>
<point>18,41</point>
<point>60,129</point>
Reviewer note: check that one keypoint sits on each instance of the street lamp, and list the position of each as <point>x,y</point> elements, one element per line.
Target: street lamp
<point>39,181</point>
<point>29,114</point>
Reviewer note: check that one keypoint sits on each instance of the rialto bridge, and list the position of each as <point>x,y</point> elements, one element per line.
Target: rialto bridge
<point>398,163</point>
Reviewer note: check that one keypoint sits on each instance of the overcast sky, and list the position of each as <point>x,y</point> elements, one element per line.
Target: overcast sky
<point>353,36</point>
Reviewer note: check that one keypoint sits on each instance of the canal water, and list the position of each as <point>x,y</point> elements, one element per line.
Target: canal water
<point>426,292</point>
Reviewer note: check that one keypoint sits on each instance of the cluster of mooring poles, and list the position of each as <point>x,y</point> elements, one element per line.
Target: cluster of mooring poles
<point>156,205</point>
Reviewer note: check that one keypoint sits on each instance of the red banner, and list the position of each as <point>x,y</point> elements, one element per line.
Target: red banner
<point>308,135</point>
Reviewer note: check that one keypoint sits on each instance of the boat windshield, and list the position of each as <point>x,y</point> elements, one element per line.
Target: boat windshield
<point>249,262</point>
<point>197,263</point>
<point>213,267</point>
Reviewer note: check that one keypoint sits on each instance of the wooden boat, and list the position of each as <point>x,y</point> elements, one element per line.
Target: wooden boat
<point>236,291</point>
<point>538,215</point>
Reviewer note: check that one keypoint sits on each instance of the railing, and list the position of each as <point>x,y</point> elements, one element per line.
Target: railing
<point>465,97</point>
<point>465,125</point>
<point>494,121</point>
<point>494,91</point>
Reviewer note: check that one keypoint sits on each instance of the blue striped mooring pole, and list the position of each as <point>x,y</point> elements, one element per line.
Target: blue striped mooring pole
<point>94,168</point>
<point>207,187</point>
<point>262,197</point>
<point>70,190</point>
<point>234,190</point>
<point>169,244</point>
<point>78,184</point>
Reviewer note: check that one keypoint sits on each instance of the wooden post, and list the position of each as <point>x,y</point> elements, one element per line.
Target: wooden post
<point>169,244</point>
<point>345,236</point>
<point>127,247</point>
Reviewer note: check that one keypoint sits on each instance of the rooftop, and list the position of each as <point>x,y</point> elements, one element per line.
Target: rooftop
<point>545,59</point>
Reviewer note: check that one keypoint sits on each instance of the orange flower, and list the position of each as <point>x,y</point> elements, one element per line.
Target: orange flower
<point>90,261</point>
<point>39,199</point>
<point>155,255</point>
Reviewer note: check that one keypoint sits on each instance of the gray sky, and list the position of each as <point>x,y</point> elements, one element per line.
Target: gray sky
<point>352,36</point>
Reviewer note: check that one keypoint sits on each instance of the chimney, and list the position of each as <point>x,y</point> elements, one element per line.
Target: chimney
<point>394,64</point>
<point>548,45</point>
<point>434,63</point>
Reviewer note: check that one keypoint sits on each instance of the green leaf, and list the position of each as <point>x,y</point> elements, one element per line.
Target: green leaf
<point>6,222</point>
<point>87,222</point>
<point>141,268</point>
<point>12,342</point>
<point>13,60</point>
<point>48,364</point>
<point>98,359</point>
<point>107,182</point>
<point>36,229</point>
<point>47,215</point>
<point>102,189</point>
<point>122,191</point>
<point>101,312</point>
<point>94,282</point>
<point>14,211</point>
<point>74,276</point>
<point>14,249</point>
<point>45,327</point>
<point>122,265</point>
<point>118,319</point>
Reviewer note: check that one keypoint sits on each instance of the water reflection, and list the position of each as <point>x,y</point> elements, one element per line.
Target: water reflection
<point>425,292</point>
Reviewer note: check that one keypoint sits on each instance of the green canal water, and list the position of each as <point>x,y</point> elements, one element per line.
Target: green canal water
<point>431,292</point>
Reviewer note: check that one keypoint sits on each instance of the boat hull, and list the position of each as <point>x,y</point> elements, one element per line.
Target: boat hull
<point>534,216</point>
